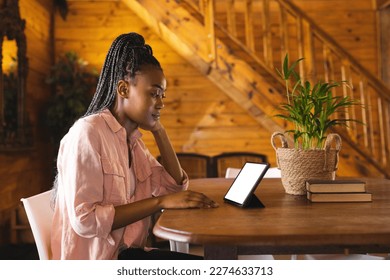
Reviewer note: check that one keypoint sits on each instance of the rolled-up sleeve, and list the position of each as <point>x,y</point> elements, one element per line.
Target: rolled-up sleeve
<point>150,171</point>
<point>83,181</point>
<point>163,183</point>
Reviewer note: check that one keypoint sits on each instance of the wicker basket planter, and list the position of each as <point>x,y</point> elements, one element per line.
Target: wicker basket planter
<point>297,165</point>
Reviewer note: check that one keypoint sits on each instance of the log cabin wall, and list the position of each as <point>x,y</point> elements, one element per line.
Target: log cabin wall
<point>383,15</point>
<point>245,12</point>
<point>351,23</point>
<point>29,172</point>
<point>198,116</point>
<point>354,26</point>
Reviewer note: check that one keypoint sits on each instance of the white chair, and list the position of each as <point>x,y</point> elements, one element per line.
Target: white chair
<point>232,172</point>
<point>272,172</point>
<point>40,216</point>
<point>181,247</point>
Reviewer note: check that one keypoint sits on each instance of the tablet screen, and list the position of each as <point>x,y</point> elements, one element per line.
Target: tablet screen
<point>246,182</point>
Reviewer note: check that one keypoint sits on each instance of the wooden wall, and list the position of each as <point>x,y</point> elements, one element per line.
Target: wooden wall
<point>384,25</point>
<point>198,116</point>
<point>26,173</point>
<point>352,24</point>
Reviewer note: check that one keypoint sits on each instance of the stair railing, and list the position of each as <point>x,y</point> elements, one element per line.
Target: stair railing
<point>276,27</point>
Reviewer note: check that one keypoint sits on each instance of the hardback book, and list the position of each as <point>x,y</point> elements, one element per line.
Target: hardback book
<point>335,186</point>
<point>339,197</point>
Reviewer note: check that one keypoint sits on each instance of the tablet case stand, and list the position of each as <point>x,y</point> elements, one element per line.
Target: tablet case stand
<point>254,202</point>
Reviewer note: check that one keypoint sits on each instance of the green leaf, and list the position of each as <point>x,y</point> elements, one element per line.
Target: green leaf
<point>311,108</point>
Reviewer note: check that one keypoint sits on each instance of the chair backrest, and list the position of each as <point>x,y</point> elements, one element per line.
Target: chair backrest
<point>232,172</point>
<point>273,172</point>
<point>235,160</point>
<point>40,216</point>
<point>195,165</point>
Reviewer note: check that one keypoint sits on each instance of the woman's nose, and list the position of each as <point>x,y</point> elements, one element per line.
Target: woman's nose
<point>160,103</point>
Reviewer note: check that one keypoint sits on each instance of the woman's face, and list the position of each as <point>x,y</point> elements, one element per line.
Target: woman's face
<point>145,97</point>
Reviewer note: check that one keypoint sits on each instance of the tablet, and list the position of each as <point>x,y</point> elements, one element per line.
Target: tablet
<point>241,191</point>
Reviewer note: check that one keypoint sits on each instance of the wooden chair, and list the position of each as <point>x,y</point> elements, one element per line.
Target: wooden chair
<point>223,161</point>
<point>195,165</point>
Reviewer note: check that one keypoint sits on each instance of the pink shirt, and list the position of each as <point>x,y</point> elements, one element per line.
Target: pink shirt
<point>93,177</point>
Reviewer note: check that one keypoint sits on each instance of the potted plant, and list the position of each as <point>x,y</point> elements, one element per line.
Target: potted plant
<point>312,111</point>
<point>74,86</point>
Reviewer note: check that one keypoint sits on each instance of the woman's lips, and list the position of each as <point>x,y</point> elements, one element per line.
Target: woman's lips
<point>156,116</point>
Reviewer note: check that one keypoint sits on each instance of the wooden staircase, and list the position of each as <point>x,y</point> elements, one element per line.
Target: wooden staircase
<point>242,64</point>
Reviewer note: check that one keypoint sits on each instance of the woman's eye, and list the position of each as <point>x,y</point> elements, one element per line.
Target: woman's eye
<point>158,95</point>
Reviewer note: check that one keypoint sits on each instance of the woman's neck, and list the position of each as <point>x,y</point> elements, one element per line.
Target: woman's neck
<point>128,124</point>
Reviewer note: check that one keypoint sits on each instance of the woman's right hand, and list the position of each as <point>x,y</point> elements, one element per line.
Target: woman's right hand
<point>186,199</point>
<point>132,212</point>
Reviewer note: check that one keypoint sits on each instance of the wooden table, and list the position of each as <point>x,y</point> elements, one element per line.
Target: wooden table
<point>287,225</point>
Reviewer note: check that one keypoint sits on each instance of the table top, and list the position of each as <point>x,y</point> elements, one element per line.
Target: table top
<point>286,220</point>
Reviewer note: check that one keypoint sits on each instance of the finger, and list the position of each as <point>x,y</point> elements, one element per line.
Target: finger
<point>198,204</point>
<point>202,199</point>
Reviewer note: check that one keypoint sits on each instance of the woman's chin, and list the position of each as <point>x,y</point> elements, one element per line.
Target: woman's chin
<point>147,127</point>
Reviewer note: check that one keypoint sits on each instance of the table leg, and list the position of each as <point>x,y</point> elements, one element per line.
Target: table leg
<point>220,252</point>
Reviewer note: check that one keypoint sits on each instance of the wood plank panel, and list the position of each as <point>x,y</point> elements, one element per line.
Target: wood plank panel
<point>323,5</point>
<point>352,26</point>
<point>198,116</point>
<point>192,115</point>
<point>26,173</point>
<point>192,100</point>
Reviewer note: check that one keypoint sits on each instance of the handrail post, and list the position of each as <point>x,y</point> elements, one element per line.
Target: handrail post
<point>284,42</point>
<point>231,18</point>
<point>248,14</point>
<point>267,38</point>
<point>208,6</point>
<point>308,51</point>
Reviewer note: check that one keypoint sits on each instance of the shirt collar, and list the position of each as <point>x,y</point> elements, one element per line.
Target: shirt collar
<point>111,121</point>
<point>115,126</point>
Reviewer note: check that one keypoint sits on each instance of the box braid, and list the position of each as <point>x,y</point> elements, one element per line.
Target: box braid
<point>124,59</point>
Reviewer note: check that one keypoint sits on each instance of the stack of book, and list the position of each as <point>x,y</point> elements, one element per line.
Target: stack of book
<point>337,191</point>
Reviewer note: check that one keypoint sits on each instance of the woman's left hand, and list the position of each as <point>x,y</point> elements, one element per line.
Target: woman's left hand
<point>158,126</point>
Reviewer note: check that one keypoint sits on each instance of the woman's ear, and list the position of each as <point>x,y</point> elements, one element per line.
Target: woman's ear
<point>122,88</point>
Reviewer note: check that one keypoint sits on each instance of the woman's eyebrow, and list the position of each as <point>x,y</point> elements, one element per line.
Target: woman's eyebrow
<point>159,86</point>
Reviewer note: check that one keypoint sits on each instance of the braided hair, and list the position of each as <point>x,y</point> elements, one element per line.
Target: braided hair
<point>127,54</point>
<point>124,59</point>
